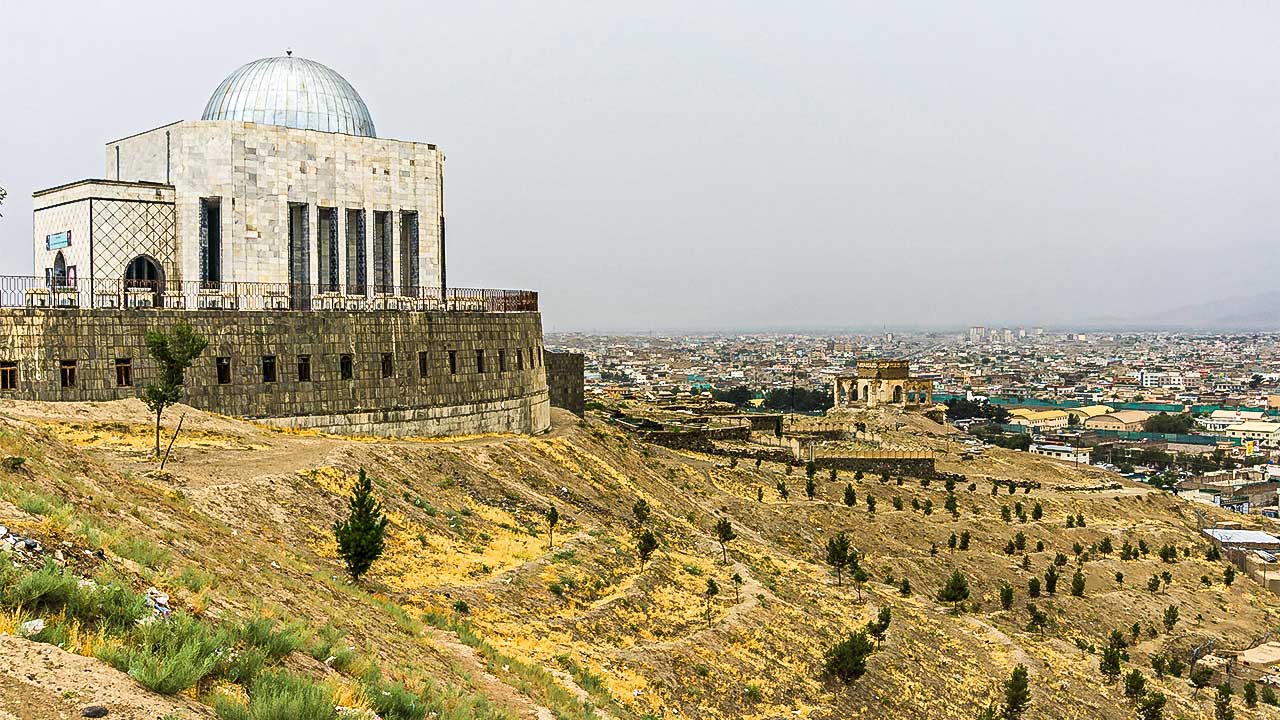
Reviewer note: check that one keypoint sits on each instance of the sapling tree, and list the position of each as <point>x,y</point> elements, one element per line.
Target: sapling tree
<point>725,535</point>
<point>1017,693</point>
<point>737,585</point>
<point>782,490</point>
<point>641,510</point>
<point>1006,596</point>
<point>846,661</point>
<point>850,496</point>
<point>838,554</point>
<point>645,546</point>
<point>552,517</point>
<point>810,487</point>
<point>1170,617</point>
<point>362,534</point>
<point>956,589</point>
<point>173,351</point>
<point>710,593</point>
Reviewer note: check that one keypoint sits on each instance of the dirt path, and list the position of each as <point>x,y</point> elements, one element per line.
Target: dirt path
<point>487,683</point>
<point>998,636</point>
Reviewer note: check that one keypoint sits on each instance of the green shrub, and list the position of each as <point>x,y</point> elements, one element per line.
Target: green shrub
<point>267,634</point>
<point>45,589</point>
<point>142,551</point>
<point>169,657</point>
<point>392,700</point>
<point>284,696</point>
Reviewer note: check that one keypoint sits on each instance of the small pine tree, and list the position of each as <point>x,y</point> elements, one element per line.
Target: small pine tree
<point>952,506</point>
<point>834,474</point>
<point>1151,706</point>
<point>1006,596</point>
<point>1228,575</point>
<point>759,494</point>
<point>362,534</point>
<point>1158,665</point>
<point>904,589</point>
<point>641,510</point>
<point>838,554</point>
<point>782,491</point>
<point>1109,665</point>
<point>1269,696</point>
<point>1005,513</point>
<point>1051,580</point>
<point>850,496</point>
<point>1017,693</point>
<point>645,546</point>
<point>1250,694</point>
<point>1153,584</point>
<point>956,589</point>
<point>810,487</point>
<point>964,539</point>
<point>846,661</point>
<point>1037,512</point>
<point>725,535</point>
<point>878,627</point>
<point>810,469</point>
<point>1222,709</point>
<point>1077,583</point>
<point>1201,676</point>
<point>737,584</point>
<point>1071,521</point>
<point>897,502</point>
<point>553,518</point>
<point>1170,617</point>
<point>952,541</point>
<point>871,503</point>
<point>1135,684</point>
<point>1033,587</point>
<point>710,593</point>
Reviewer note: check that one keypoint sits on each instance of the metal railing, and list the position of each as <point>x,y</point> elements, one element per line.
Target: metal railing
<point>29,291</point>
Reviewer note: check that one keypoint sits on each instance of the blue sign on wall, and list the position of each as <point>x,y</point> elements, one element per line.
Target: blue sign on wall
<point>57,241</point>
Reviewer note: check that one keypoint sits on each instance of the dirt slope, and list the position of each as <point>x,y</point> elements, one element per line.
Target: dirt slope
<point>554,630</point>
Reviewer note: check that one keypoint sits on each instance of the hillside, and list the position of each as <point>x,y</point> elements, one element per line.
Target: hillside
<point>471,610</point>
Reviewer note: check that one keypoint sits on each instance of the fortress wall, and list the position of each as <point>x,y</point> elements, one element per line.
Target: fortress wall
<point>405,402</point>
<point>565,381</point>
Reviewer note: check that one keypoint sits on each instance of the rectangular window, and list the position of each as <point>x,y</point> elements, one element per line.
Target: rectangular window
<point>519,358</point>
<point>409,252</point>
<point>67,371</point>
<point>124,372</point>
<point>327,248</point>
<point>223,364</point>
<point>268,368</point>
<point>304,368</point>
<point>383,279</point>
<point>502,361</point>
<point>299,257</point>
<point>453,362</point>
<point>8,375</point>
<point>210,241</point>
<point>345,367</point>
<point>388,365</point>
<point>357,262</point>
<point>480,361</point>
<point>423,366</point>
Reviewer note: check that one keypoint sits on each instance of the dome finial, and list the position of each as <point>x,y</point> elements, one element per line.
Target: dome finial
<point>288,52</point>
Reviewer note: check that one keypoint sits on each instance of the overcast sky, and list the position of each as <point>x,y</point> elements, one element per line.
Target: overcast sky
<point>708,165</point>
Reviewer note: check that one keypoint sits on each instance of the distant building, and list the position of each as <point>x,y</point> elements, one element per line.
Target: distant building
<point>882,382</point>
<point>1084,413</point>
<point>1123,420</point>
<point>1259,431</point>
<point>1062,452</point>
<point>1220,420</point>
<point>1039,420</point>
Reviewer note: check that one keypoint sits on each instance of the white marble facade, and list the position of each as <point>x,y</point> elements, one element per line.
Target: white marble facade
<point>257,171</point>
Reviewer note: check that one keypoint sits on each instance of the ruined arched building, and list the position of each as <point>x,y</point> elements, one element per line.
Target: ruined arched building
<point>882,382</point>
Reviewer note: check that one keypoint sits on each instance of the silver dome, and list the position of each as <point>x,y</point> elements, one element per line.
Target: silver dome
<point>293,92</point>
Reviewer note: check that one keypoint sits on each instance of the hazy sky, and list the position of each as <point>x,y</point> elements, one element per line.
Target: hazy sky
<point>706,165</point>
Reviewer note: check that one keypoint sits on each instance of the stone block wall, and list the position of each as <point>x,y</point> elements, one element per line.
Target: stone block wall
<point>565,381</point>
<point>402,381</point>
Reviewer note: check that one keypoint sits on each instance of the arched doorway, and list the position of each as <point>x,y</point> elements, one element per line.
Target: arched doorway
<point>144,272</point>
<point>59,276</point>
<point>897,394</point>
